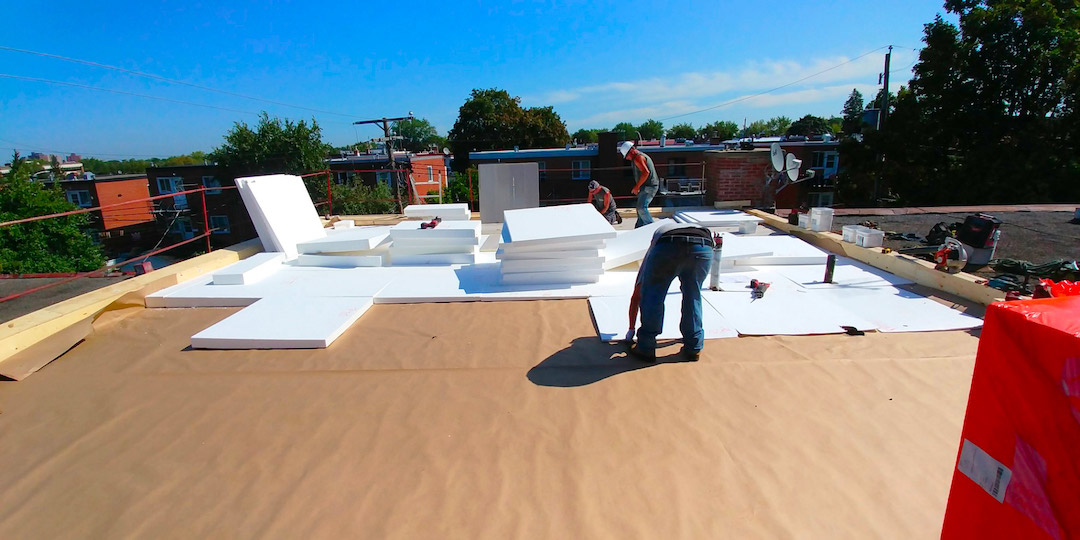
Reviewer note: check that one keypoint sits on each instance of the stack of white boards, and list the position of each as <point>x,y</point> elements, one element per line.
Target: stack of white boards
<point>345,248</point>
<point>553,245</point>
<point>449,242</point>
<point>712,217</point>
<point>249,270</point>
<point>448,212</point>
<point>281,210</point>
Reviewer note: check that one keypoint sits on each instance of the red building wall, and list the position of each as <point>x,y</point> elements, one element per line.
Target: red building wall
<point>736,175</point>
<point>119,191</point>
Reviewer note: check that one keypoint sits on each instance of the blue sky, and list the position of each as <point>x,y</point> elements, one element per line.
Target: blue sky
<point>597,63</point>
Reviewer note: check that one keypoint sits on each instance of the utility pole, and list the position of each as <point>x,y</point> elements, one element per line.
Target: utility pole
<point>885,92</point>
<point>882,113</point>
<point>389,141</point>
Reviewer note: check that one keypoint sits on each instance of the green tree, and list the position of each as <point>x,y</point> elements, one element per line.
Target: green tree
<point>586,135</point>
<point>853,110</point>
<point>682,131</point>
<point>992,104</point>
<point>777,125</point>
<point>494,120</point>
<point>626,131</point>
<point>722,129</point>
<point>419,135</point>
<point>55,172</point>
<point>49,245</point>
<point>809,125</point>
<point>651,129</point>
<point>273,146</point>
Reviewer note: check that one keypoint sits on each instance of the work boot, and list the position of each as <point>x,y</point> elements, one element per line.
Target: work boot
<point>618,218</point>
<point>642,355</point>
<point>690,354</point>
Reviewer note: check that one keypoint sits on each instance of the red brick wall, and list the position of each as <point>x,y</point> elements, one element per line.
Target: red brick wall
<point>735,175</point>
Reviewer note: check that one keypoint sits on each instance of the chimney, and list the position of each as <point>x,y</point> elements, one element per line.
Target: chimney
<point>663,141</point>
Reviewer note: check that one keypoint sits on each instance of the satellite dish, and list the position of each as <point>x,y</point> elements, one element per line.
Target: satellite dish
<point>777,156</point>
<point>446,151</point>
<point>793,167</point>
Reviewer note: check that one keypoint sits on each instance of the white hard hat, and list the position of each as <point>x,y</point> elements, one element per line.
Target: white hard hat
<point>625,147</point>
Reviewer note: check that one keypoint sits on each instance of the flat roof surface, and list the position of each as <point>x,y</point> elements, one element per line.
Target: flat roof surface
<point>494,419</point>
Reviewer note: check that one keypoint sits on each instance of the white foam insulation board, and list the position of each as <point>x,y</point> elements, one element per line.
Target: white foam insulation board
<point>630,246</point>
<point>351,239</point>
<point>284,323</point>
<point>899,310</point>
<point>249,270</point>
<point>448,212</point>
<point>553,224</point>
<point>282,211</point>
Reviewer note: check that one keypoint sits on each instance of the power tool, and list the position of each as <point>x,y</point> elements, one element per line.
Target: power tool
<point>758,288</point>
<point>951,257</point>
<point>431,224</point>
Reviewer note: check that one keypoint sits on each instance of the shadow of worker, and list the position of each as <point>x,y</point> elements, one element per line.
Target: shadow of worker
<point>585,361</point>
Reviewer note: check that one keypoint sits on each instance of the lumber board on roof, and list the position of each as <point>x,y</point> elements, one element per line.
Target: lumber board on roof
<point>922,272</point>
<point>24,332</point>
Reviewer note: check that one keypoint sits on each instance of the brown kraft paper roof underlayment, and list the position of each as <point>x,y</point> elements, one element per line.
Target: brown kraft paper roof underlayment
<point>482,420</point>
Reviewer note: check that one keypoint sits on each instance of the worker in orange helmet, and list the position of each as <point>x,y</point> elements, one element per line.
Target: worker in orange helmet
<point>648,183</point>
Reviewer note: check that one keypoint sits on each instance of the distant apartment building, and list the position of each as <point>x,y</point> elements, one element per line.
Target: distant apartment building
<point>73,158</point>
<point>427,171</point>
<point>181,216</point>
<point>120,228</point>
<point>691,173</point>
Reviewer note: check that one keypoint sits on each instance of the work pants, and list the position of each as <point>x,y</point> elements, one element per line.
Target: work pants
<point>665,261</point>
<point>644,197</point>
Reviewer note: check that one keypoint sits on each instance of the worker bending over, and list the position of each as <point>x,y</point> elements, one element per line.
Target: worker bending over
<point>601,198</point>
<point>677,250</point>
<point>647,181</point>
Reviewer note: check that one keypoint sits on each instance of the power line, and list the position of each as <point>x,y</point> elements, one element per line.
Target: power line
<point>122,92</point>
<point>771,90</point>
<point>168,80</point>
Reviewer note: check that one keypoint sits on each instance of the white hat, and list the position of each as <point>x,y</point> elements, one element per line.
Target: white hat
<point>625,147</point>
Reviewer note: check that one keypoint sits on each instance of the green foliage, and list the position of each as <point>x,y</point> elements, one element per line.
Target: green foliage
<point>682,131</point>
<point>457,189</point>
<point>587,135</point>
<point>274,146</point>
<point>773,127</point>
<point>853,110</point>
<point>493,120</point>
<point>651,129</point>
<point>49,245</point>
<point>990,115</point>
<point>419,135</point>
<point>722,129</point>
<point>809,125</point>
<point>626,131</point>
<point>362,199</point>
<point>139,166</point>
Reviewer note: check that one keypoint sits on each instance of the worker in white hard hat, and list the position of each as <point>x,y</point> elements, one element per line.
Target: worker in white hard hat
<point>647,184</point>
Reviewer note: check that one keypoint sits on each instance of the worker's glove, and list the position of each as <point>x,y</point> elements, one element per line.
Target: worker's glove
<point>629,335</point>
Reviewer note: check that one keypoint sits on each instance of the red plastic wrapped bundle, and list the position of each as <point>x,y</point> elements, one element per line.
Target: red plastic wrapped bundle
<point>1018,468</point>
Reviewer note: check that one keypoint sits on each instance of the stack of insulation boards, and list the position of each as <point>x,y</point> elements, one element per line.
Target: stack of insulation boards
<point>449,242</point>
<point>448,212</point>
<point>711,217</point>
<point>553,245</point>
<point>346,248</point>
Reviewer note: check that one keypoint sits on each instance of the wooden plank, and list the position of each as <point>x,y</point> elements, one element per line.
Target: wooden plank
<point>922,272</point>
<point>33,328</point>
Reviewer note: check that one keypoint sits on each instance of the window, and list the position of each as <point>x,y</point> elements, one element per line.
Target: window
<point>79,197</point>
<point>430,174</point>
<point>543,170</point>
<point>676,167</point>
<point>183,227</point>
<point>581,170</point>
<point>209,182</point>
<point>221,223</point>
<point>173,184</point>
<point>827,162</point>
<point>383,178</point>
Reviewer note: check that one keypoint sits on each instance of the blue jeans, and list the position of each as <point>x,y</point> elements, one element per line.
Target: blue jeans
<point>663,263</point>
<point>644,197</point>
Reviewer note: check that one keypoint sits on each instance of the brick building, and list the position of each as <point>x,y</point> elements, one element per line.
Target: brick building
<point>182,215</point>
<point>691,173</point>
<point>427,170</point>
<point>120,229</point>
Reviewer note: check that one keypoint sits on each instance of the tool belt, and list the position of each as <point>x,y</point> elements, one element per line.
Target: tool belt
<point>685,239</point>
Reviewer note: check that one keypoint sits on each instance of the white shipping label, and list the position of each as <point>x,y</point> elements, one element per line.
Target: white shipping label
<point>984,470</point>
